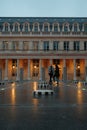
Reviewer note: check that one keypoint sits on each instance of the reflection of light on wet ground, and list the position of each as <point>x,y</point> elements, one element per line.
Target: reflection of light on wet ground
<point>79,96</point>
<point>13,94</point>
<point>35,86</point>
<point>13,84</point>
<point>79,85</point>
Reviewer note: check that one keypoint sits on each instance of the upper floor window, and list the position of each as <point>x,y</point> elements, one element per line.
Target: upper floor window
<point>66,26</point>
<point>76,45</point>
<point>16,27</point>
<point>26,27</point>
<point>46,45</point>
<point>25,45</point>
<point>15,45</point>
<point>6,27</point>
<point>66,45</point>
<point>75,28</point>
<point>85,45</point>
<point>35,28</point>
<point>55,45</point>
<point>35,45</point>
<point>85,27</point>
<point>5,45</point>
<point>55,28</point>
<point>46,28</point>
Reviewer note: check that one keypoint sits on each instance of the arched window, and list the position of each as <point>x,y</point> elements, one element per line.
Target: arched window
<point>16,27</point>
<point>6,27</point>
<point>46,27</point>
<point>66,27</point>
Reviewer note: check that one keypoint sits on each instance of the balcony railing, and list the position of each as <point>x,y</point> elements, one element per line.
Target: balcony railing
<point>44,34</point>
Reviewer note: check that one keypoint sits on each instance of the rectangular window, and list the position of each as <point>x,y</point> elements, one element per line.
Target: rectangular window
<point>65,28</point>
<point>35,28</point>
<point>46,46</point>
<point>26,28</point>
<point>66,45</point>
<point>25,45</point>
<point>76,46</point>
<point>15,45</point>
<point>75,28</point>
<point>6,28</point>
<point>5,45</point>
<point>85,45</point>
<point>85,28</point>
<point>55,28</point>
<point>55,45</point>
<point>46,28</point>
<point>36,45</point>
<point>16,28</point>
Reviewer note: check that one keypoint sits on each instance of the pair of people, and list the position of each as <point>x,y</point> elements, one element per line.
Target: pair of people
<point>53,73</point>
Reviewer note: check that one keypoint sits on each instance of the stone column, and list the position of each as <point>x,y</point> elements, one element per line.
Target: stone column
<point>17,78</point>
<point>29,73</point>
<point>64,71</point>
<point>0,45</point>
<point>74,78</point>
<point>86,70</point>
<point>6,69</point>
<point>51,61</point>
<point>30,45</point>
<point>40,69</point>
<point>40,45</point>
<point>51,45</point>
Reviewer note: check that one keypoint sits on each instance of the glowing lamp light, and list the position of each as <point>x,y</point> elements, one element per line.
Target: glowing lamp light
<point>78,67</point>
<point>35,66</point>
<point>13,66</point>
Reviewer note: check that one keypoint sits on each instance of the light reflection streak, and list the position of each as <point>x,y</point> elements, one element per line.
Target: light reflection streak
<point>13,95</point>
<point>79,96</point>
<point>35,86</point>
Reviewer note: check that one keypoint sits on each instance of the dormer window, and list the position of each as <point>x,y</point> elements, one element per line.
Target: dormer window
<point>6,27</point>
<point>85,28</point>
<point>66,28</point>
<point>46,28</point>
<point>75,28</point>
<point>55,28</point>
<point>16,27</point>
<point>35,28</point>
<point>26,27</point>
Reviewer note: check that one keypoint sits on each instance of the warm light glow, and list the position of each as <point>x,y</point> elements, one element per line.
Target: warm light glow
<point>79,85</point>
<point>13,96</point>
<point>35,66</point>
<point>13,66</point>
<point>35,85</point>
<point>79,96</point>
<point>78,67</point>
<point>13,84</point>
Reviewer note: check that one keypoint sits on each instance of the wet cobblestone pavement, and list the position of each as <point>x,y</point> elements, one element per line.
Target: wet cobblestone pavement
<point>65,110</point>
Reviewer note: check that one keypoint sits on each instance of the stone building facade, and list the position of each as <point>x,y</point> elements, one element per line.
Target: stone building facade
<point>31,44</point>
